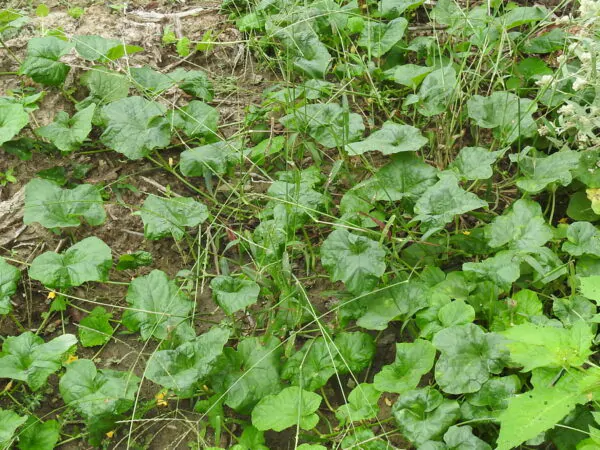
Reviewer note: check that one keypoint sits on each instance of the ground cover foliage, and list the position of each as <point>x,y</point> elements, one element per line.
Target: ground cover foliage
<point>420,270</point>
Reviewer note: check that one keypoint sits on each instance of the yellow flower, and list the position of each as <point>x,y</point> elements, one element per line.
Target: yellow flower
<point>71,358</point>
<point>160,399</point>
<point>171,162</point>
<point>466,233</point>
<point>563,220</point>
<point>110,434</point>
<point>51,295</point>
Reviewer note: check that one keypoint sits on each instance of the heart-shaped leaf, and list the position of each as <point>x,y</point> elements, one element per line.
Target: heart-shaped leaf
<point>88,260</point>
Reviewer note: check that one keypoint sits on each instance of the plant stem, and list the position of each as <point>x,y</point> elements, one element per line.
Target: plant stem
<point>10,52</point>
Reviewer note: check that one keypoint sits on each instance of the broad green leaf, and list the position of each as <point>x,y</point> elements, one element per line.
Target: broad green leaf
<point>574,309</point>
<point>532,69</point>
<point>361,404</point>
<point>68,133</point>
<point>134,260</point>
<point>523,15</point>
<point>469,357</point>
<point>148,79</point>
<point>364,439</point>
<point>193,82</point>
<point>9,422</point>
<point>532,346</point>
<point>356,260</point>
<point>546,264</point>
<point>355,351</point>
<point>436,91</point>
<point>251,438</point>
<point>249,373</point>
<point>95,329</point>
<point>9,277</point>
<point>590,287</point>
<point>539,409</point>
<point>312,366</point>
<point>379,38</point>
<point>474,163</point>
<point>105,86</point>
<point>503,269</point>
<point>189,364</point>
<point>545,43</point>
<point>456,313</point>
<point>197,119</point>
<point>583,238</point>
<point>158,306</point>
<point>234,294</point>
<point>391,138</point>
<point>504,112</point>
<point>293,197</point>
<point>441,202</point>
<point>52,207</point>
<point>327,123</point>
<point>409,75</point>
<point>413,360</point>
<point>122,50</point>
<point>539,170</point>
<point>164,217</point>
<point>463,438</point>
<point>522,227</point>
<point>93,47</point>
<point>27,358</point>
<point>42,63</point>
<point>292,406</point>
<point>211,158</point>
<point>88,260</point>
<point>37,435</point>
<point>391,9</point>
<point>492,398</point>
<point>97,393</point>
<point>398,301</point>
<point>307,53</point>
<point>588,171</point>
<point>524,306</point>
<point>135,126</point>
<point>424,415</point>
<point>12,120</point>
<point>405,177</point>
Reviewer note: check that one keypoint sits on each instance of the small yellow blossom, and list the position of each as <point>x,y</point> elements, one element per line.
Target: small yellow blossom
<point>71,359</point>
<point>171,162</point>
<point>160,399</point>
<point>110,434</point>
<point>563,220</point>
<point>466,233</point>
<point>51,295</point>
